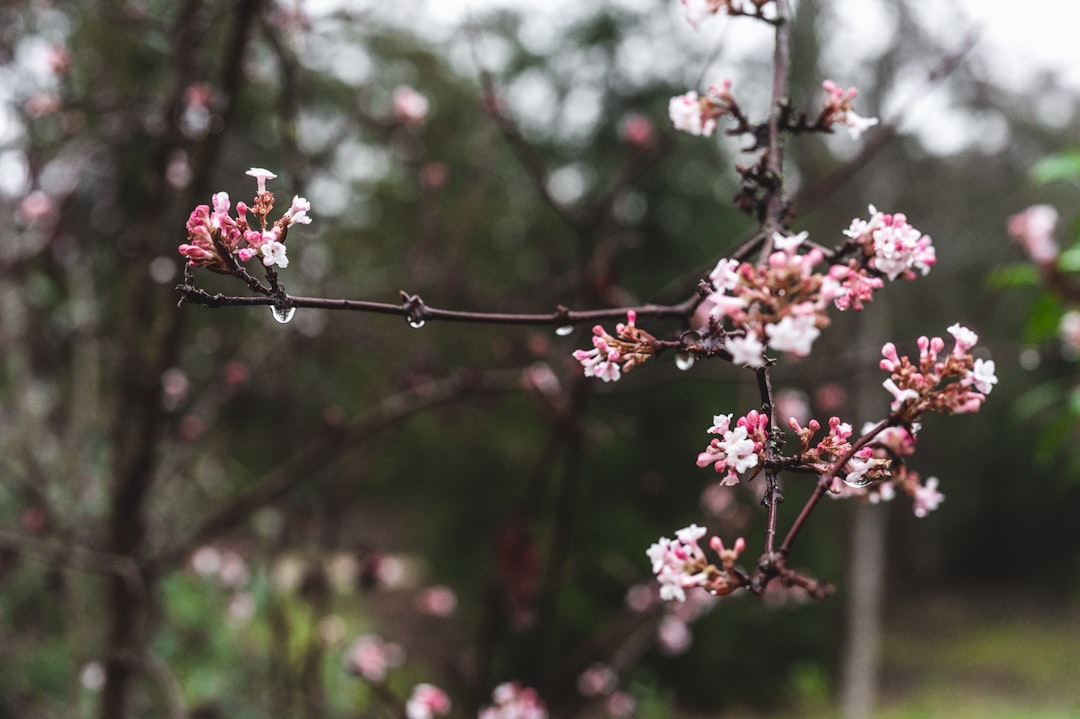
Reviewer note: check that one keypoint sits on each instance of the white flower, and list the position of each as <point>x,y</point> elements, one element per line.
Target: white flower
<point>685,113</point>
<point>725,276</point>
<point>982,376</point>
<point>410,106</point>
<point>746,351</point>
<point>789,243</point>
<point>273,253</point>
<point>927,497</point>
<point>261,176</point>
<point>857,125</point>
<point>298,211</point>
<point>740,450</point>
<point>793,334</point>
<point>965,338</point>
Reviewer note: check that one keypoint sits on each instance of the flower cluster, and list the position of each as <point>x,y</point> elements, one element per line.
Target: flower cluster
<point>680,564</point>
<point>838,109</point>
<point>1033,229</point>
<point>427,702</point>
<point>216,240</point>
<point>510,700</point>
<point>956,384</point>
<point>610,356</point>
<point>859,470</point>
<point>739,449</point>
<point>409,106</point>
<point>372,658</point>
<point>925,497</point>
<point>893,247</point>
<point>698,115</point>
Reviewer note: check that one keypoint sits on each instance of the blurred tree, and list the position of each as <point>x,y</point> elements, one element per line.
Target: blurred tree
<point>199,511</point>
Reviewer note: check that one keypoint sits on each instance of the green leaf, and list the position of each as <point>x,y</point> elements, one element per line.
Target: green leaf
<point>1064,166</point>
<point>1036,400</point>
<point>1044,320</point>
<point>1069,261</point>
<point>1021,274</point>
<point>1074,401</point>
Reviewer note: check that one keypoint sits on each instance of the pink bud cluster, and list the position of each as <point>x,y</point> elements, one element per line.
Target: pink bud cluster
<point>1033,229</point>
<point>739,449</point>
<point>510,700</point>
<point>892,246</point>
<point>215,237</point>
<point>698,115</point>
<point>860,469</point>
<point>680,564</point>
<point>427,702</point>
<point>610,356</point>
<point>838,109</point>
<point>955,384</point>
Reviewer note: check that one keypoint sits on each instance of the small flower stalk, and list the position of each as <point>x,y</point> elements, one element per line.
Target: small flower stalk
<point>221,242</point>
<point>838,110</point>
<point>698,115</point>
<point>510,700</point>
<point>613,355</point>
<point>680,564</point>
<point>955,383</point>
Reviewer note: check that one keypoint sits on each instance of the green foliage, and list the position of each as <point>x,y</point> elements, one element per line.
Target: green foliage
<point>1057,168</point>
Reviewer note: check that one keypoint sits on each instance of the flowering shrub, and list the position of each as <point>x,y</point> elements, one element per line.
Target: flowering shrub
<point>773,296</point>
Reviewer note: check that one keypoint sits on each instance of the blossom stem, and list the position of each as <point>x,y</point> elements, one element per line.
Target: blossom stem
<point>826,481</point>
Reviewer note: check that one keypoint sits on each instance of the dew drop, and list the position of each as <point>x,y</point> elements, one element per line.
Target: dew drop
<point>416,324</point>
<point>564,330</point>
<point>860,481</point>
<point>282,314</point>
<point>684,361</point>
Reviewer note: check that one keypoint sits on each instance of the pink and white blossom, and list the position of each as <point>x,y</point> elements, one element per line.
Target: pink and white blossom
<point>895,247</point>
<point>273,253</point>
<point>510,700</point>
<point>795,334</point>
<point>746,351</point>
<point>372,658</point>
<point>1033,229</point>
<point>680,564</point>
<point>297,213</point>
<point>426,702</point>
<point>410,107</point>
<point>982,376</point>
<point>261,176</point>
<point>838,109</point>
<point>687,114</point>
<point>965,338</point>
<point>927,498</point>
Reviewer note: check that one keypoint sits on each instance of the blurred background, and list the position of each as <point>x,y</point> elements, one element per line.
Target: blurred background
<point>208,513</point>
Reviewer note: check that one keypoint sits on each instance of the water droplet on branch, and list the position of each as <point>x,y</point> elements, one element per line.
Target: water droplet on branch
<point>564,330</point>
<point>858,481</point>
<point>684,360</point>
<point>282,314</point>
<point>416,324</point>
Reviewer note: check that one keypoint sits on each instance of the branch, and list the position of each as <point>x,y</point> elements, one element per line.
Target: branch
<point>416,311</point>
<point>826,481</point>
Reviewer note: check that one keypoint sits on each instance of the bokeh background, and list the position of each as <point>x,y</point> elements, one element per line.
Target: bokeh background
<point>201,510</point>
